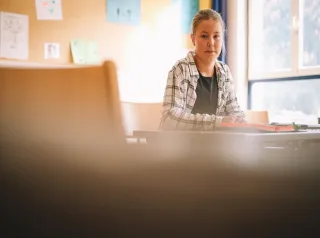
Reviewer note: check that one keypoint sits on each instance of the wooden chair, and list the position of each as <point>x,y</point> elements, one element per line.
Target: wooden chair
<point>257,117</point>
<point>141,116</point>
<point>74,106</point>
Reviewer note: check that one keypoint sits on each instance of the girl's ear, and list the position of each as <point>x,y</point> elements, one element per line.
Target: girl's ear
<point>192,39</point>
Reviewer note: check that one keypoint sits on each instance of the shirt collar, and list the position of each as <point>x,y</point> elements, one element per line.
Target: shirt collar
<point>193,67</point>
<point>192,64</point>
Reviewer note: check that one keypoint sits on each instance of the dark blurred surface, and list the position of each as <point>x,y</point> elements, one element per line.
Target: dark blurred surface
<point>141,191</point>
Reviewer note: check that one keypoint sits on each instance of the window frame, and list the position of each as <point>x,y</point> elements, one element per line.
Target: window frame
<point>297,70</point>
<point>254,81</point>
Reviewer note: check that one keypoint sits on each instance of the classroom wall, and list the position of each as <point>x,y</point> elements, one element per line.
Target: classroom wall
<point>82,19</point>
<point>205,4</point>
<point>86,19</point>
<point>144,54</point>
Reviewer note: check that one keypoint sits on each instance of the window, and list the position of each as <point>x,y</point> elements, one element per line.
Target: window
<point>284,38</point>
<point>287,100</point>
<point>284,59</point>
<point>311,33</point>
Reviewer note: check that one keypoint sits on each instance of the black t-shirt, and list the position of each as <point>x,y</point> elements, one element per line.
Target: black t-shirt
<point>207,95</point>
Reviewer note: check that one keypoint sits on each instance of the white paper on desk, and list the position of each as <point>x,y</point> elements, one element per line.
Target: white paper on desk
<point>14,36</point>
<point>48,9</point>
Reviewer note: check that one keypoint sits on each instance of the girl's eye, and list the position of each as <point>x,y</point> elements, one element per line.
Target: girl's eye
<point>217,37</point>
<point>204,36</point>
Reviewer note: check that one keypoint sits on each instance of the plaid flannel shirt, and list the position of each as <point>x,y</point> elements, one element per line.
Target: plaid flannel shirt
<point>180,96</point>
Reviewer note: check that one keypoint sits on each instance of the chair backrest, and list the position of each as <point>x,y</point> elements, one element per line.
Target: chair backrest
<point>257,116</point>
<point>141,116</point>
<point>66,106</point>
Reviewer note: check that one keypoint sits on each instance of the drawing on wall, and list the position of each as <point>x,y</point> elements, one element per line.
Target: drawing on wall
<point>188,8</point>
<point>51,50</point>
<point>14,36</point>
<point>124,11</point>
<point>84,52</point>
<point>48,9</point>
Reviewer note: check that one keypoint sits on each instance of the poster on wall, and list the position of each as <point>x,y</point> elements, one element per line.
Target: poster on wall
<point>51,50</point>
<point>124,11</point>
<point>48,9</point>
<point>14,36</point>
<point>188,8</point>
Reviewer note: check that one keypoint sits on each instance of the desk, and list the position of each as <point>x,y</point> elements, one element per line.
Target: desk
<point>264,137</point>
<point>239,142</point>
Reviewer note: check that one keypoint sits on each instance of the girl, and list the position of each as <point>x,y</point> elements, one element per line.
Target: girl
<point>199,92</point>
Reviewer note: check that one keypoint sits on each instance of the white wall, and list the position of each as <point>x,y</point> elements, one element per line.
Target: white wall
<point>237,47</point>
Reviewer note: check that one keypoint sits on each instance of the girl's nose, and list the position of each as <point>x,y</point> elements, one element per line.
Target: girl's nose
<point>210,43</point>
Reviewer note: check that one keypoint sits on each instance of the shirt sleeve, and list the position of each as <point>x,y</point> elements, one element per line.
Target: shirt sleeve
<point>232,106</point>
<point>175,115</point>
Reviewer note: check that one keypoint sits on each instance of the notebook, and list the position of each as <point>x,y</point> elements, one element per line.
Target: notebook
<point>249,127</point>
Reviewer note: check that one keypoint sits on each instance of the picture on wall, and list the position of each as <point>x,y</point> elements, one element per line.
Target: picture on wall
<point>51,50</point>
<point>124,11</point>
<point>14,36</point>
<point>48,9</point>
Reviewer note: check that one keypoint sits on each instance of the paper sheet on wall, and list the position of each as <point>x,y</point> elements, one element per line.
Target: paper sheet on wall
<point>92,52</point>
<point>51,50</point>
<point>78,51</point>
<point>48,9</point>
<point>14,36</point>
<point>188,8</point>
<point>84,52</point>
<point>124,11</point>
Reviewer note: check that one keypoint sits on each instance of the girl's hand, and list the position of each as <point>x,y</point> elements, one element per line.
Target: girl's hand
<point>233,119</point>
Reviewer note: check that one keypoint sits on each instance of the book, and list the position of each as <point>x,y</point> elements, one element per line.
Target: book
<point>249,127</point>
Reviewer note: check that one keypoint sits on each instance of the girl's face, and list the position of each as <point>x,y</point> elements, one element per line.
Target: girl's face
<point>208,40</point>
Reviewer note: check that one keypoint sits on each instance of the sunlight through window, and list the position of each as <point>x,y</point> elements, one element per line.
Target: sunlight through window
<point>151,52</point>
